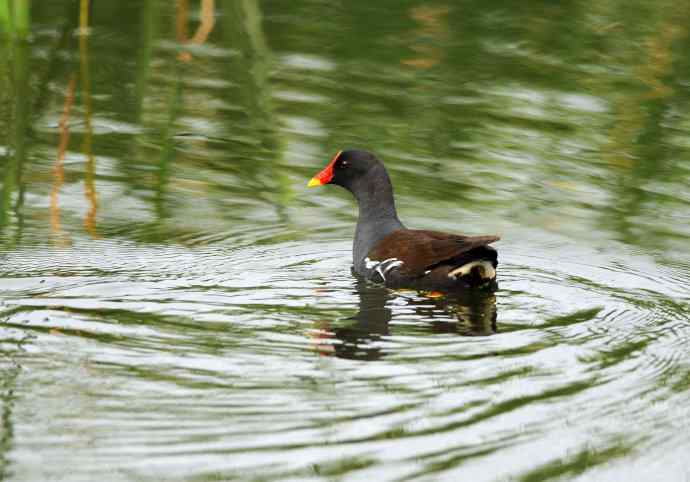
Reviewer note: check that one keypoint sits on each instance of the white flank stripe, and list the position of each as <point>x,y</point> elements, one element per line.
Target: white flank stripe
<point>383,267</point>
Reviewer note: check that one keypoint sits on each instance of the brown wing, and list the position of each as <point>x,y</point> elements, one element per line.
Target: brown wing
<point>419,250</point>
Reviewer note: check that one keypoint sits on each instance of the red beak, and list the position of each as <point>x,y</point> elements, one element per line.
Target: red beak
<point>325,176</point>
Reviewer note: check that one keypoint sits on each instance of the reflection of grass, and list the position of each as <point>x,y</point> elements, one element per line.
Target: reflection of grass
<point>19,66</point>
<point>90,174</point>
<point>175,103</point>
<point>5,19</point>
<point>579,462</point>
<point>8,187</point>
<point>8,379</point>
<point>59,169</point>
<point>167,139</point>
<point>148,16</point>
<point>15,17</point>
<point>251,70</point>
<point>448,120</point>
<point>636,150</point>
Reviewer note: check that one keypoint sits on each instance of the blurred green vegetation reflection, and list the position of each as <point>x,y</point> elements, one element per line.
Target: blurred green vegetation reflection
<point>569,116</point>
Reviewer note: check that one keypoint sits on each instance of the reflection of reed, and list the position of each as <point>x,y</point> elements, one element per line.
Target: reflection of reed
<point>90,174</point>
<point>243,27</point>
<point>432,21</point>
<point>181,20</point>
<point>15,18</point>
<point>636,139</point>
<point>83,18</point>
<point>148,15</point>
<point>176,98</point>
<point>15,89</point>
<point>5,19</point>
<point>252,68</point>
<point>59,169</point>
<point>207,22</point>
<point>203,31</point>
<point>631,111</point>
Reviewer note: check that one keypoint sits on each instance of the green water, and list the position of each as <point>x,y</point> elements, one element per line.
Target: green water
<point>175,304</point>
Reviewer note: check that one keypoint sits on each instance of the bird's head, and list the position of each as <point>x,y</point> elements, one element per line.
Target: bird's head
<point>345,169</point>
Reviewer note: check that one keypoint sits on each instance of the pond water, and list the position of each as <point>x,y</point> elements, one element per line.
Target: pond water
<point>175,304</point>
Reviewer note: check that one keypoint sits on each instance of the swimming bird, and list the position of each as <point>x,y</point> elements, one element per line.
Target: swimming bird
<point>384,251</point>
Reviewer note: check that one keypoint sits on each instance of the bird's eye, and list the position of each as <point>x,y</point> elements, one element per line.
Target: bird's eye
<point>344,163</point>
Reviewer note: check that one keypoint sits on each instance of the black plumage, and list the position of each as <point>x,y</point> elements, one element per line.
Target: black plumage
<point>385,251</point>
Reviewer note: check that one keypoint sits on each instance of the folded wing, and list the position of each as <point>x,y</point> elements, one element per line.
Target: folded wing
<point>421,250</point>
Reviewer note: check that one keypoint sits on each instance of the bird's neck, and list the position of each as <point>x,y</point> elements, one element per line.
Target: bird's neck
<point>377,215</point>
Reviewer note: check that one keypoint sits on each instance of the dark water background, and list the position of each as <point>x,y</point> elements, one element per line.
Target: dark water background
<point>176,305</point>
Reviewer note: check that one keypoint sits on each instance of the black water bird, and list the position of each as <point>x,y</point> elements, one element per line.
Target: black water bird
<point>386,252</point>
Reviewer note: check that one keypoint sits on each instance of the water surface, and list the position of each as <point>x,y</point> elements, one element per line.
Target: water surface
<point>176,305</point>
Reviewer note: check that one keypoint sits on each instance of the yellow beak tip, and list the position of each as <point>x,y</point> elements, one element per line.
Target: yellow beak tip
<point>313,182</point>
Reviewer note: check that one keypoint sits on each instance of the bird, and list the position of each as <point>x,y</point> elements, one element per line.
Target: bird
<point>385,252</point>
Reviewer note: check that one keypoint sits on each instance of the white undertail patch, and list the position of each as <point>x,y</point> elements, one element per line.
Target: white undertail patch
<point>486,268</point>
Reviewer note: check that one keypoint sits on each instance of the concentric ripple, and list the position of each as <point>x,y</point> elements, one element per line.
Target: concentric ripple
<point>211,361</point>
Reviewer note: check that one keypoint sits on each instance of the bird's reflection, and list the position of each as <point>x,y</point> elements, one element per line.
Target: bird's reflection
<point>360,337</point>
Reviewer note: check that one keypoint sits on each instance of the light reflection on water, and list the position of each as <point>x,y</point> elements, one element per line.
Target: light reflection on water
<point>174,304</point>
<point>226,356</point>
